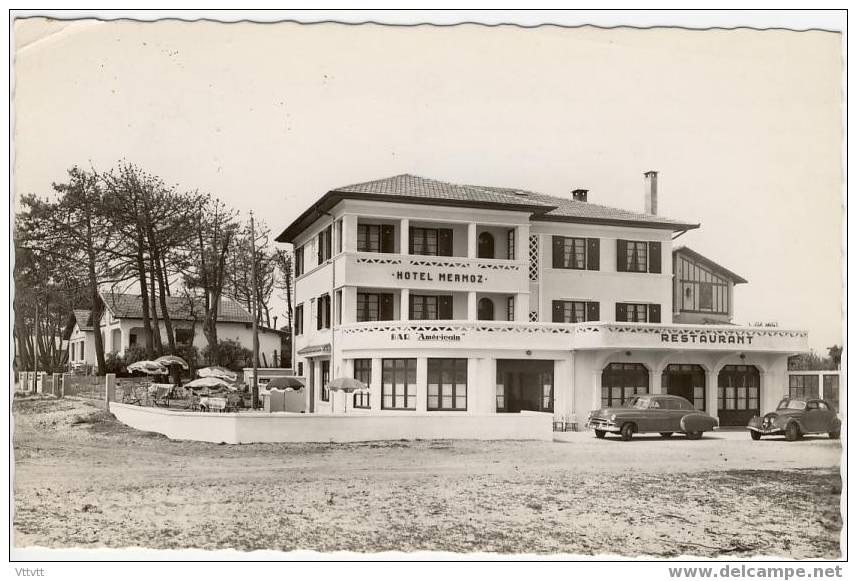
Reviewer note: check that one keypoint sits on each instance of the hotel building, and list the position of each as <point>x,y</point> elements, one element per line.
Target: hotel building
<point>464,299</point>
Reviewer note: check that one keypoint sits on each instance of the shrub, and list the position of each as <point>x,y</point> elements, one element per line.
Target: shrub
<point>230,354</point>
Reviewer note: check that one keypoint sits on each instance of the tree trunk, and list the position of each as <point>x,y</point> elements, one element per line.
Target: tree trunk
<point>157,346</point>
<point>144,297</point>
<point>96,307</point>
<point>165,313</point>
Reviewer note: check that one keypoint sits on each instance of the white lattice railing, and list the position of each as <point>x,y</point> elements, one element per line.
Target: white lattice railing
<point>408,260</point>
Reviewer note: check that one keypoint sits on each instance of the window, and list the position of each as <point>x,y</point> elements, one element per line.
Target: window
<point>686,380</point>
<point>638,256</point>
<point>132,339</point>
<point>803,386</point>
<point>71,351</point>
<point>338,236</point>
<point>485,248</point>
<point>398,384</point>
<point>323,313</point>
<point>324,245</point>
<point>299,261</point>
<point>619,381</point>
<point>831,389</point>
<point>325,380</point>
<point>638,313</point>
<point>431,241</point>
<point>338,307</point>
<point>431,307</point>
<point>362,372</point>
<point>738,388</point>
<point>510,308</point>
<point>576,253</point>
<point>374,307</point>
<point>700,290</point>
<point>575,311</point>
<point>510,244</point>
<point>184,336</point>
<point>447,384</point>
<point>485,309</point>
<point>375,238</point>
<point>299,320</point>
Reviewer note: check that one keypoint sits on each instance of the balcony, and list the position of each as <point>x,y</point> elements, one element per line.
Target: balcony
<point>374,269</point>
<point>559,336</point>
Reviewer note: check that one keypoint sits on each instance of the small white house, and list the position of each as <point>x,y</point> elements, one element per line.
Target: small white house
<point>122,327</point>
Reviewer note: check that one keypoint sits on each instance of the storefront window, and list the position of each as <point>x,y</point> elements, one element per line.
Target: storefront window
<point>399,384</point>
<point>325,380</point>
<point>803,386</point>
<point>831,390</point>
<point>447,384</point>
<point>619,381</point>
<point>738,388</point>
<point>362,372</point>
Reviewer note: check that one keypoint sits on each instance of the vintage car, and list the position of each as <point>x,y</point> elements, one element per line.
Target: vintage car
<point>664,414</point>
<point>795,417</point>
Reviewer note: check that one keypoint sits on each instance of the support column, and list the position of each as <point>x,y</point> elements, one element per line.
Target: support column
<point>349,233</point>
<point>422,384</point>
<point>405,305</point>
<point>65,383</point>
<point>475,386</point>
<point>404,236</point>
<point>472,314</point>
<point>596,389</point>
<point>522,242</point>
<point>471,240</point>
<point>711,391</point>
<point>56,382</point>
<point>522,307</point>
<point>348,371</point>
<point>349,304</point>
<point>563,390</point>
<point>655,384</point>
<point>375,386</point>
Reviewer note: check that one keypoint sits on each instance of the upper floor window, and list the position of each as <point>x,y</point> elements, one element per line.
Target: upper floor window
<point>576,253</point>
<point>575,311</point>
<point>431,241</point>
<point>374,307</point>
<point>338,236</point>
<point>700,290</point>
<point>485,246</point>
<point>299,261</point>
<point>638,313</point>
<point>431,307</point>
<point>324,245</point>
<point>375,238</point>
<point>299,320</point>
<point>638,256</point>
<point>485,309</point>
<point>323,314</point>
<point>510,243</point>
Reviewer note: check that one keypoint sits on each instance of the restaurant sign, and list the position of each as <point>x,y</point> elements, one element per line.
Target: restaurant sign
<point>707,338</point>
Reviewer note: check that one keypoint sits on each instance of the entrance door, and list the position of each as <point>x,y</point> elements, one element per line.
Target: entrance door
<point>687,381</point>
<point>737,394</point>
<point>524,385</point>
<point>311,384</point>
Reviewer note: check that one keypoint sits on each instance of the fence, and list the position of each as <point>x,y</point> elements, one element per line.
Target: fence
<point>90,386</point>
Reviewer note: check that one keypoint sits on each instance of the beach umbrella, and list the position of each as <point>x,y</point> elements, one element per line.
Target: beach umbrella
<point>346,384</point>
<point>285,383</point>
<point>169,360</point>
<point>208,383</point>
<point>148,367</point>
<point>218,372</point>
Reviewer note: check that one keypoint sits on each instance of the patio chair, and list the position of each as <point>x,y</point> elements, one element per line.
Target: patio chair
<point>162,396</point>
<point>192,402</point>
<point>571,423</point>
<point>559,423</point>
<point>129,395</point>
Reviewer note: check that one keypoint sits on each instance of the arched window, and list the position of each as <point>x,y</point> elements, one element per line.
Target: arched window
<point>687,381</point>
<point>619,381</point>
<point>486,245</point>
<point>485,309</point>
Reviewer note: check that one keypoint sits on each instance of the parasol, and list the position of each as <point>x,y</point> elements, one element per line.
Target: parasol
<point>218,372</point>
<point>148,367</point>
<point>169,360</point>
<point>284,383</point>
<point>208,382</point>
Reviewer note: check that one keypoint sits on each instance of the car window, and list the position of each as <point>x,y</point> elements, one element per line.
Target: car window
<point>813,405</point>
<point>791,404</point>
<point>823,406</point>
<point>655,404</point>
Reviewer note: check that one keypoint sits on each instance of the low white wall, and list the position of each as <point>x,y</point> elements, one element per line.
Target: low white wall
<point>248,427</point>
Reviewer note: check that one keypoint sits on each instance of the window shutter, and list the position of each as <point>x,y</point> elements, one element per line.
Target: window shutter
<point>621,312</point>
<point>411,235</point>
<point>385,309</point>
<point>621,257</point>
<point>387,238</point>
<point>593,311</point>
<point>444,307</point>
<point>593,254</point>
<point>444,242</point>
<point>654,313</point>
<point>320,247</point>
<point>318,307</point>
<point>557,311</point>
<point>510,240</point>
<point>558,244</point>
<point>655,257</point>
<point>411,300</point>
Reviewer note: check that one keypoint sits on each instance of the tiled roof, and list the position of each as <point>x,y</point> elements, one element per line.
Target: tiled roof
<point>83,318</point>
<point>130,306</point>
<point>705,261</point>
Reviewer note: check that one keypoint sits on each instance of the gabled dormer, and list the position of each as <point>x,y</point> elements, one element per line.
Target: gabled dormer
<point>702,289</point>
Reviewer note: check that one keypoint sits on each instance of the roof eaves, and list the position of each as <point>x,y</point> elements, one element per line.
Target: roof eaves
<point>736,278</point>
<point>673,226</point>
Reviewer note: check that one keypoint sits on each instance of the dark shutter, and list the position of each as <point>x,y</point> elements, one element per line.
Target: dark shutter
<point>387,238</point>
<point>593,311</point>
<point>621,257</point>
<point>654,313</point>
<point>558,246</point>
<point>558,311</point>
<point>411,305</point>
<point>654,257</point>
<point>593,254</point>
<point>411,235</point>
<point>444,306</point>
<point>385,308</point>
<point>328,243</point>
<point>444,242</point>
<point>622,312</point>
<point>318,307</point>
<point>320,245</point>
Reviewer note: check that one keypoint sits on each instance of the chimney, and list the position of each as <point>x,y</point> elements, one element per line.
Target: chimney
<point>651,179</point>
<point>579,195</point>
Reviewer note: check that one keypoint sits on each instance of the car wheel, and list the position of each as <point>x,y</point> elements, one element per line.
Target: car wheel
<point>627,431</point>
<point>834,435</point>
<point>755,435</point>
<point>600,434</point>
<point>666,434</point>
<point>693,435</point>
<point>792,432</point>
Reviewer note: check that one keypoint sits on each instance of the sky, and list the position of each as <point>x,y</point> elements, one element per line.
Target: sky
<point>744,127</point>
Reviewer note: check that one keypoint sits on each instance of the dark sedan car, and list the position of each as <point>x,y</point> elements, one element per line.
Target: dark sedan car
<point>664,414</point>
<point>795,417</point>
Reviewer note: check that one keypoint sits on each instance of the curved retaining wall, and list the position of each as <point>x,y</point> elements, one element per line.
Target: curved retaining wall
<point>248,427</point>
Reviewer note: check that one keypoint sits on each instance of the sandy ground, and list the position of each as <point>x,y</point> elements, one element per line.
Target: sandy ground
<point>84,480</point>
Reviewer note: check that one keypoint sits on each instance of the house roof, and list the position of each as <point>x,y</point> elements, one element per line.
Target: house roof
<point>419,190</point>
<point>130,306</point>
<point>710,264</point>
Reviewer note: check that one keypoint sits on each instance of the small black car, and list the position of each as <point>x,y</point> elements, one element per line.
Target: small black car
<point>795,417</point>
